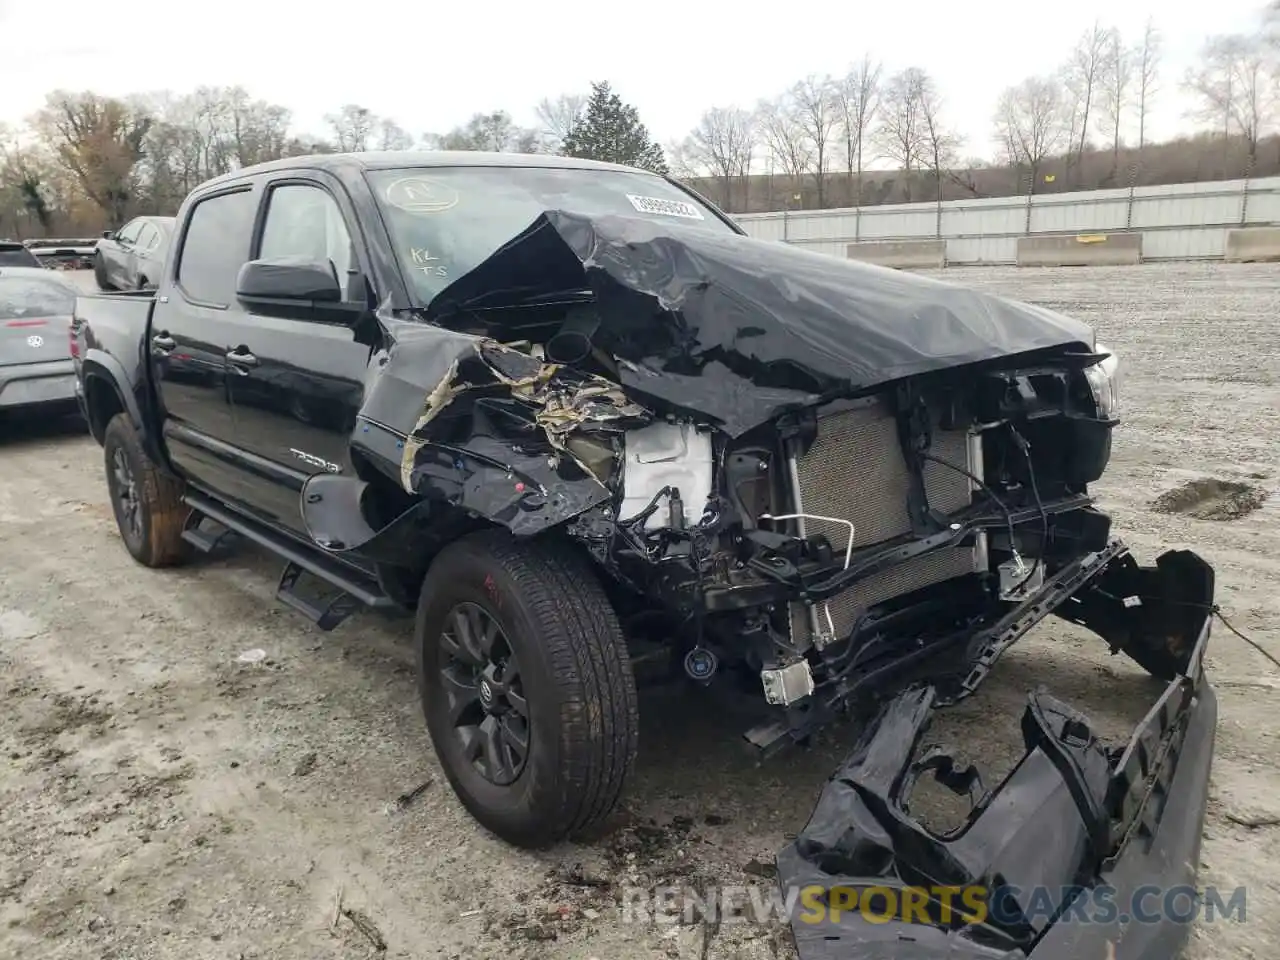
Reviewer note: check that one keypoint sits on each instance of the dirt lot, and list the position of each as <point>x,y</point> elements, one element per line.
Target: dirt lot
<point>160,799</point>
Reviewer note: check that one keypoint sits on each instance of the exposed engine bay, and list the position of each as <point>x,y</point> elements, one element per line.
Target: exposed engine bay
<point>836,547</point>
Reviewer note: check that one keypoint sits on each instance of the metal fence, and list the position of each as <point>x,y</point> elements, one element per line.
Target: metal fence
<point>1181,221</point>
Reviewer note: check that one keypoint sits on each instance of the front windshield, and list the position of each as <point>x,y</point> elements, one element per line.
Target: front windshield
<point>445,221</point>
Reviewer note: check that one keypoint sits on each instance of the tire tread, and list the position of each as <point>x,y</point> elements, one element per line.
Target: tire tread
<point>599,712</point>
<point>161,497</point>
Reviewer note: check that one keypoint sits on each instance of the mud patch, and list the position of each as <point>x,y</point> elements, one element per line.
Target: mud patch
<point>67,714</point>
<point>1211,499</point>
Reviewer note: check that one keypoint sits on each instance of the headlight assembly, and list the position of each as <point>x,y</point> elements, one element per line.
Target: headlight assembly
<point>1104,381</point>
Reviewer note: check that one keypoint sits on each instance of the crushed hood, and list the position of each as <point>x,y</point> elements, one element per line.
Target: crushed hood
<point>740,329</point>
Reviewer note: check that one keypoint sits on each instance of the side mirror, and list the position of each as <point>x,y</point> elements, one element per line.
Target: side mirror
<point>294,288</point>
<point>288,280</point>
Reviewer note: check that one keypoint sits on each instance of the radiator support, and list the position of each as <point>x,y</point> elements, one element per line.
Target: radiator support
<point>855,470</point>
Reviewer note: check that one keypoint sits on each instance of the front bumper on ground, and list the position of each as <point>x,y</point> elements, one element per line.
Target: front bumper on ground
<point>36,384</point>
<point>1052,862</point>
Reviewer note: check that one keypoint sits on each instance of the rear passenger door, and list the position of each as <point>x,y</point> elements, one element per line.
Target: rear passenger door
<point>296,385</point>
<point>191,327</point>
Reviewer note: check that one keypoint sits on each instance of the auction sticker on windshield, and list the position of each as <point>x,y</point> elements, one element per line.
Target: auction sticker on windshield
<point>420,195</point>
<point>670,208</point>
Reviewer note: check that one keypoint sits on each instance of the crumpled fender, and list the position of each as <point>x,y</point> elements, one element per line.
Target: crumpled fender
<point>465,421</point>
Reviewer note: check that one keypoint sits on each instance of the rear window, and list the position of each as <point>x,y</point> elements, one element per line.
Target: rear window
<point>16,255</point>
<point>24,297</point>
<point>216,247</point>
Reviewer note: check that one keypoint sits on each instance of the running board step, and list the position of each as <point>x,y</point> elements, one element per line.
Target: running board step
<point>355,589</point>
<point>202,538</point>
<point>326,612</point>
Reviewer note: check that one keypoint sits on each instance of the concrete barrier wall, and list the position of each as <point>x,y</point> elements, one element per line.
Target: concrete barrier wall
<point>1081,250</point>
<point>1255,244</point>
<point>901,253</point>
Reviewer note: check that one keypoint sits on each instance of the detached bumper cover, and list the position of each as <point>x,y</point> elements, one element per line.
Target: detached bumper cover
<point>1052,861</point>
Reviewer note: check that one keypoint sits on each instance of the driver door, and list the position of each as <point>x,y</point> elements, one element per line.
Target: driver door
<point>296,385</point>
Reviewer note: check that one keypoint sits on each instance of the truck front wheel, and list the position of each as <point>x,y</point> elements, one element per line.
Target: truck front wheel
<point>526,686</point>
<point>147,502</point>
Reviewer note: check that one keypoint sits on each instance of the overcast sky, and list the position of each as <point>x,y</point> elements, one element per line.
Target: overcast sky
<point>430,66</point>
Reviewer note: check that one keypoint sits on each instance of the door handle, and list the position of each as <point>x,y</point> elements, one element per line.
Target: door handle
<point>242,358</point>
<point>163,343</point>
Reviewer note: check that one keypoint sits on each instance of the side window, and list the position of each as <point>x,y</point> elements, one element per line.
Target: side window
<point>147,238</point>
<point>129,232</point>
<point>215,247</point>
<point>305,222</point>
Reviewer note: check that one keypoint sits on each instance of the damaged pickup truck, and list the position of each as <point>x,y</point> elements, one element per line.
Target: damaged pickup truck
<point>566,411</point>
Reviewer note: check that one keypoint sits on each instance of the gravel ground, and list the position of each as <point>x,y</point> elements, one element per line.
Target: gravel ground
<point>160,799</point>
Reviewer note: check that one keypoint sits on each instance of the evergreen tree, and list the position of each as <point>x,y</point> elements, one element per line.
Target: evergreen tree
<point>611,130</point>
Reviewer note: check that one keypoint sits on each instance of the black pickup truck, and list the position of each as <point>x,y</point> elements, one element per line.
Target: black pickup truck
<point>570,414</point>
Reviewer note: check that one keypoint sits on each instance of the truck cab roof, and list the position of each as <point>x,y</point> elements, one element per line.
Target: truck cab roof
<point>349,163</point>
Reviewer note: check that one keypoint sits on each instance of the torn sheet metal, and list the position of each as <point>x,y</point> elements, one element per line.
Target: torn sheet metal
<point>483,426</point>
<point>739,329</point>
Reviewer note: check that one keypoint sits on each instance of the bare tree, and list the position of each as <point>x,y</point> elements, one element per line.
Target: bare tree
<point>817,113</point>
<point>392,136</point>
<point>1085,74</point>
<point>681,159</point>
<point>353,127</point>
<point>259,130</point>
<point>25,195</point>
<point>204,134</point>
<point>201,131</point>
<point>1235,87</point>
<point>902,128</point>
<point>557,117</point>
<point>99,140</point>
<point>940,145</point>
<point>722,144</point>
<point>784,138</point>
<point>1271,23</point>
<point>1148,76</point>
<point>1031,124</point>
<point>859,100</point>
<point>494,131</point>
<point>1118,77</point>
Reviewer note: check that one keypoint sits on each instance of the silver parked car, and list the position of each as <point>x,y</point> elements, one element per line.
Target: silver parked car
<point>132,257</point>
<point>36,371</point>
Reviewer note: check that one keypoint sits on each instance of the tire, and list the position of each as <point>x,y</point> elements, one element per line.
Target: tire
<point>581,719</point>
<point>100,274</point>
<point>155,539</point>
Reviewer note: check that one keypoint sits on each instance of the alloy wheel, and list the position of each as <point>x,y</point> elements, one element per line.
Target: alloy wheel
<point>488,711</point>
<point>126,493</point>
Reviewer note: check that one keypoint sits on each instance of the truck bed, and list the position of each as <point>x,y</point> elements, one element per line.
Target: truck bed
<point>110,331</point>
